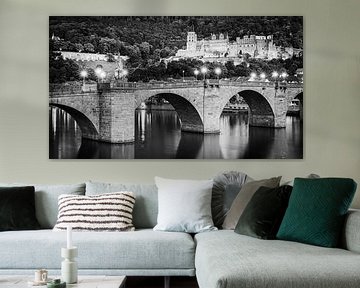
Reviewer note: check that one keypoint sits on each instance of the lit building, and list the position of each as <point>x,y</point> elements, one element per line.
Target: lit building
<point>261,47</point>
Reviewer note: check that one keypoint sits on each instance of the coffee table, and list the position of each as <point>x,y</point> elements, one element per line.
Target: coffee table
<point>83,282</point>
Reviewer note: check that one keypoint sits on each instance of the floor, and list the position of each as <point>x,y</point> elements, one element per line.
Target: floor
<point>158,282</point>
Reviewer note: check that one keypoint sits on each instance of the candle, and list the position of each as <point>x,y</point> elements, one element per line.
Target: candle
<point>69,237</point>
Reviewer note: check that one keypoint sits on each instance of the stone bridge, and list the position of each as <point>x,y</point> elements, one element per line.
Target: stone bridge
<point>106,111</point>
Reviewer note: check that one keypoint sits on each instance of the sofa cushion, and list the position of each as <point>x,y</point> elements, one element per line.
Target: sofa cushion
<point>105,212</point>
<point>225,259</point>
<point>184,205</point>
<point>46,200</point>
<point>263,215</point>
<point>225,189</point>
<point>243,198</point>
<point>137,250</point>
<point>146,205</point>
<point>350,239</point>
<point>17,209</point>
<point>317,209</point>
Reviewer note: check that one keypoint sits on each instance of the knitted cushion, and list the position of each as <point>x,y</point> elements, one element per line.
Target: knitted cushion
<point>106,212</point>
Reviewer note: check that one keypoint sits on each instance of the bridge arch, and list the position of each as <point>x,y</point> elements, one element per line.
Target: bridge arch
<point>190,119</point>
<point>261,112</point>
<point>88,129</point>
<point>300,96</point>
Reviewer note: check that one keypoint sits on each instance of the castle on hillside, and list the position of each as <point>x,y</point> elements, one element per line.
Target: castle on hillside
<point>220,47</point>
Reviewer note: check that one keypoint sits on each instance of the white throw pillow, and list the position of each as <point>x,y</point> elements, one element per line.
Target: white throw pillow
<point>105,212</point>
<point>184,205</point>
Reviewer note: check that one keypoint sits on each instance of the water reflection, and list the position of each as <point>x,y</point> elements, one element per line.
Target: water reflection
<point>158,136</point>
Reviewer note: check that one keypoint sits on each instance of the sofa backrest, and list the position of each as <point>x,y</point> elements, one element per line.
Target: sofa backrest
<point>146,203</point>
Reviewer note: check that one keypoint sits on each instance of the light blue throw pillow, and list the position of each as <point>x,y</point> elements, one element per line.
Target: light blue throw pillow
<point>184,205</point>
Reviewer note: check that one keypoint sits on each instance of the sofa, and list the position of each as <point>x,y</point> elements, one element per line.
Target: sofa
<point>218,259</point>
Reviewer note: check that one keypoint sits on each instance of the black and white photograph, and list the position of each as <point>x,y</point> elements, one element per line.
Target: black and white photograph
<point>176,87</point>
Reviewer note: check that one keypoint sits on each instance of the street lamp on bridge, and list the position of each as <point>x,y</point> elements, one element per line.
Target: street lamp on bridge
<point>252,76</point>
<point>204,70</point>
<point>98,72</point>
<point>263,76</point>
<point>283,75</point>
<point>275,75</point>
<point>196,73</point>
<point>218,72</point>
<point>83,74</point>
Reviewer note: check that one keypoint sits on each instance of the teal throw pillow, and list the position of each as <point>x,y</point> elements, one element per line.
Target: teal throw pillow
<point>316,211</point>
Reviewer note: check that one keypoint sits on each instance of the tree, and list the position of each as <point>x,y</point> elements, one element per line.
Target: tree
<point>79,47</point>
<point>88,47</point>
<point>145,48</point>
<point>61,70</point>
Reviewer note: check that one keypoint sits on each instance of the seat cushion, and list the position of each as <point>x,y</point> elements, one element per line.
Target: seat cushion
<point>226,259</point>
<point>143,249</point>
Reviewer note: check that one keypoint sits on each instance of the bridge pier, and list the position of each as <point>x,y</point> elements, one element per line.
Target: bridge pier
<point>116,117</point>
<point>280,109</point>
<point>211,110</point>
<point>274,118</point>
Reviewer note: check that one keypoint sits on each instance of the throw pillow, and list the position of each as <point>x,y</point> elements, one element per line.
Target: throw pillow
<point>146,205</point>
<point>106,212</point>
<point>243,198</point>
<point>317,209</point>
<point>226,187</point>
<point>263,215</point>
<point>184,205</point>
<point>291,182</point>
<point>17,208</point>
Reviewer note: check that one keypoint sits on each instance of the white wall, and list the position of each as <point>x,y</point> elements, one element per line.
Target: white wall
<point>332,92</point>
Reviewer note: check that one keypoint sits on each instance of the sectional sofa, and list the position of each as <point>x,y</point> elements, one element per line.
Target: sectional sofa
<point>218,259</point>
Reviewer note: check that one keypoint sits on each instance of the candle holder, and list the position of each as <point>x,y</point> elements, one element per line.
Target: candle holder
<point>69,271</point>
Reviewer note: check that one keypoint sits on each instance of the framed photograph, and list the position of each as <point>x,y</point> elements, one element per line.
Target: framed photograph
<point>176,87</point>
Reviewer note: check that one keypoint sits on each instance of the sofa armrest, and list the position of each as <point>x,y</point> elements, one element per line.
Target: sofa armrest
<point>351,234</point>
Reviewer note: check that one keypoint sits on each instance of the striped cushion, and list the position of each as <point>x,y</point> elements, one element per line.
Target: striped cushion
<point>105,212</point>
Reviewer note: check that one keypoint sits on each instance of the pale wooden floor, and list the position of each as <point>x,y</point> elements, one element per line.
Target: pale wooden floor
<point>158,282</point>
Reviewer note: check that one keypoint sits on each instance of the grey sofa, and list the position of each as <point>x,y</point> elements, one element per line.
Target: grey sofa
<point>219,259</point>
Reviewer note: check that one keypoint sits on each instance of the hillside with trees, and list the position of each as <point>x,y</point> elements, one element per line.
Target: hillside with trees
<point>148,39</point>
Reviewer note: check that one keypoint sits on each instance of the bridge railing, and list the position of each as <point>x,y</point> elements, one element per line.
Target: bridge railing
<point>78,87</point>
<point>71,88</point>
<point>169,85</point>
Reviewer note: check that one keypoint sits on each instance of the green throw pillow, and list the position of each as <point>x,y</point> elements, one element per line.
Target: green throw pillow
<point>263,215</point>
<point>17,209</point>
<point>316,211</point>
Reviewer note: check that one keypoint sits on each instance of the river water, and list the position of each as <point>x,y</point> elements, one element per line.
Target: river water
<point>158,136</point>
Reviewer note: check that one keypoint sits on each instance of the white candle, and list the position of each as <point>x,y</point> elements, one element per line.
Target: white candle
<point>69,237</point>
